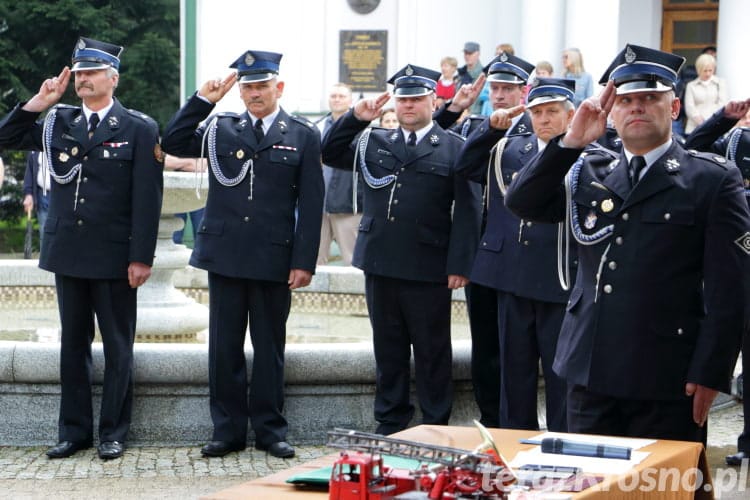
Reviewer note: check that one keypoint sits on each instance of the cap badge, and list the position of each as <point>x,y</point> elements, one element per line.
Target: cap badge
<point>629,55</point>
<point>607,205</point>
<point>434,139</point>
<point>81,44</point>
<point>240,154</point>
<point>504,57</point>
<point>249,59</point>
<point>672,165</point>
<point>409,70</point>
<point>74,150</point>
<point>744,242</point>
<point>590,221</point>
<point>63,157</point>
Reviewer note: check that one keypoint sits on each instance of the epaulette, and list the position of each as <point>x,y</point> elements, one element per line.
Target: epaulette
<point>143,116</point>
<point>456,134</point>
<point>228,114</point>
<point>710,157</point>
<point>303,121</point>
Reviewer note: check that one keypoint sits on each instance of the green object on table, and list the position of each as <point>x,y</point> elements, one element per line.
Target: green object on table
<point>321,476</point>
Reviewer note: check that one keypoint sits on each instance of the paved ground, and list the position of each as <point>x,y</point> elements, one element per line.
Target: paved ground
<point>181,473</point>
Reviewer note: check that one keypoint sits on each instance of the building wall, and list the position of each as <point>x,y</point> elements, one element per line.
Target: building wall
<point>419,32</point>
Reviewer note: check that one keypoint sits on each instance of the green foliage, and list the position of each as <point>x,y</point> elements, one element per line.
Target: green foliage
<point>37,39</point>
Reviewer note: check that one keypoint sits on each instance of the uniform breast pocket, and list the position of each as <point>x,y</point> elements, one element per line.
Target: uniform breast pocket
<point>677,215</point>
<point>115,154</point>
<point>286,157</point>
<point>384,161</point>
<point>434,168</point>
<point>492,242</point>
<point>211,227</point>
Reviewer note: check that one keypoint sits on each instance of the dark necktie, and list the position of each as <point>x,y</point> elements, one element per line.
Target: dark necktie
<point>258,130</point>
<point>93,122</point>
<point>634,168</point>
<point>412,140</point>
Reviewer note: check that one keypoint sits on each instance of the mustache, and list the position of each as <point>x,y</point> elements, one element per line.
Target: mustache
<point>84,85</point>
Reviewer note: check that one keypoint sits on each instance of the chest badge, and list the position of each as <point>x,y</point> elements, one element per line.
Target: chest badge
<point>63,157</point>
<point>590,221</point>
<point>74,150</point>
<point>607,205</point>
<point>240,154</point>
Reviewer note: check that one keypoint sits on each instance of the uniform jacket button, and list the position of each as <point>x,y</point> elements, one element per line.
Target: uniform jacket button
<point>607,288</point>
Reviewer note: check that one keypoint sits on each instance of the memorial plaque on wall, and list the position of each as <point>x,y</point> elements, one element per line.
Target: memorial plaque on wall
<point>363,60</point>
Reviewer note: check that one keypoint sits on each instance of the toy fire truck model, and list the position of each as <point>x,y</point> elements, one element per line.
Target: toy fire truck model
<point>443,473</point>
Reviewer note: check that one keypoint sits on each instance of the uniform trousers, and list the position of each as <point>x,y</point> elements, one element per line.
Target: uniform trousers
<point>528,332</point>
<point>343,228</point>
<point>592,413</point>
<point>114,303</point>
<point>404,315</point>
<point>481,303</point>
<point>233,302</point>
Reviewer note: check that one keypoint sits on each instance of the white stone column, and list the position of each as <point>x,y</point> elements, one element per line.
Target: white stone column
<point>733,41</point>
<point>543,31</point>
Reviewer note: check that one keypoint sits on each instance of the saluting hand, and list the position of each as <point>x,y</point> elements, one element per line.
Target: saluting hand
<point>502,119</point>
<point>467,94</point>
<point>214,90</point>
<point>367,110</point>
<point>590,120</point>
<point>50,92</point>
<point>736,109</point>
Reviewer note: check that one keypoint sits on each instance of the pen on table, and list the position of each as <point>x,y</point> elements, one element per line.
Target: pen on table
<point>566,447</point>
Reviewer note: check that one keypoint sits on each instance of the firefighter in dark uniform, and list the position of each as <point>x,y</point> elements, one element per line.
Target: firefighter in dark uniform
<point>517,259</point>
<point>507,76</point>
<point>258,241</point>
<point>100,234</point>
<point>719,135</point>
<point>416,242</point>
<point>654,322</point>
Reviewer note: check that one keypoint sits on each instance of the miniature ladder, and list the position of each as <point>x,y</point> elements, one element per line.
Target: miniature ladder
<point>376,443</point>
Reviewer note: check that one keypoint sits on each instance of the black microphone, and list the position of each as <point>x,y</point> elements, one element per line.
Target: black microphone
<point>567,447</point>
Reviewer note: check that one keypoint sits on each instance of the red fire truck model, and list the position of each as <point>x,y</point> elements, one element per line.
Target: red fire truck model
<point>443,473</point>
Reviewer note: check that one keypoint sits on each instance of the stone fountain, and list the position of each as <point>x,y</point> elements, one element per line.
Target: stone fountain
<point>165,314</point>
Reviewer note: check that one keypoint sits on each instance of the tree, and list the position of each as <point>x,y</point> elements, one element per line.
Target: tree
<point>37,39</point>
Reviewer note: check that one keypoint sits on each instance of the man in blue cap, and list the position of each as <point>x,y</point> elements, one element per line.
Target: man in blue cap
<point>100,235</point>
<point>416,241</point>
<point>517,259</point>
<point>258,241</point>
<point>654,322</point>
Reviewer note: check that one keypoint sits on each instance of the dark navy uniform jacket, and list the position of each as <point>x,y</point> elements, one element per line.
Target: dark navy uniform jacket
<point>410,229</point>
<point>269,222</point>
<point>116,215</point>
<point>514,255</point>
<point>660,301</point>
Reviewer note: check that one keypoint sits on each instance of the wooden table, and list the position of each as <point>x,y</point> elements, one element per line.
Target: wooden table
<point>676,461</point>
